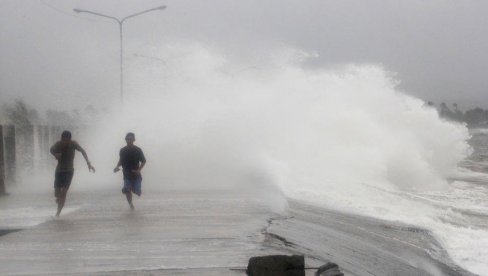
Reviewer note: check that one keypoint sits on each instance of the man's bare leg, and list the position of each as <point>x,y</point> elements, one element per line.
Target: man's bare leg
<point>60,200</point>
<point>128,194</point>
<point>56,194</point>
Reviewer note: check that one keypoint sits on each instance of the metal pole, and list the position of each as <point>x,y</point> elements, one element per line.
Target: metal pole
<point>120,21</point>
<point>121,64</point>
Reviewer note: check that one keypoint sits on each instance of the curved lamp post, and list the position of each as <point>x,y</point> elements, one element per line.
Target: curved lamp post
<point>120,21</point>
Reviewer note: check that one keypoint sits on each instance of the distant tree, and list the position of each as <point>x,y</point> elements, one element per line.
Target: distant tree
<point>20,114</point>
<point>445,112</point>
<point>458,114</point>
<point>476,116</point>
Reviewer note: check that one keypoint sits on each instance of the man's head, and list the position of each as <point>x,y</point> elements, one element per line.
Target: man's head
<point>130,138</point>
<point>66,136</point>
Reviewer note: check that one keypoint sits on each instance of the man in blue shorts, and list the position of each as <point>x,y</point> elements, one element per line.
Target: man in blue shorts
<point>132,161</point>
<point>64,152</point>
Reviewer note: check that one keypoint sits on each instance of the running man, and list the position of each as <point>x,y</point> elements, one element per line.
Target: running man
<point>132,160</point>
<point>64,152</point>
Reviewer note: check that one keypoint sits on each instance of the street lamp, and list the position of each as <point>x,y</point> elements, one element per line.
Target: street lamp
<point>120,21</point>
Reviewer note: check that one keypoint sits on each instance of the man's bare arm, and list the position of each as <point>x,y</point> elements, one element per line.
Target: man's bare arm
<point>117,167</point>
<point>140,167</point>
<point>83,152</point>
<point>53,151</point>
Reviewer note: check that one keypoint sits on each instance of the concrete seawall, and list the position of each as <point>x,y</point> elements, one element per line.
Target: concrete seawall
<point>207,233</point>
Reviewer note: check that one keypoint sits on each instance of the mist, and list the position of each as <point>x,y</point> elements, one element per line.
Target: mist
<point>210,122</point>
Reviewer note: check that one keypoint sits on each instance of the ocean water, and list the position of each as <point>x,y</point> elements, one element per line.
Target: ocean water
<point>456,215</point>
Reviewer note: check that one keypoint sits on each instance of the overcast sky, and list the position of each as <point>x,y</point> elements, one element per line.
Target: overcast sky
<point>437,47</point>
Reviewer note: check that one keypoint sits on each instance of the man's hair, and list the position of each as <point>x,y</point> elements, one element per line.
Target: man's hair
<point>130,134</point>
<point>66,135</point>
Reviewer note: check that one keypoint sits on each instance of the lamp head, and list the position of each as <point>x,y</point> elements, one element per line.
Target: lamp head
<point>78,10</point>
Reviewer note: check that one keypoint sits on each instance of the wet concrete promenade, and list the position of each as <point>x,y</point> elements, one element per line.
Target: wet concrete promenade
<point>173,233</point>
<point>205,233</point>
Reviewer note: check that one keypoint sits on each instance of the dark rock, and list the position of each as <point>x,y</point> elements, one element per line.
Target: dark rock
<point>276,265</point>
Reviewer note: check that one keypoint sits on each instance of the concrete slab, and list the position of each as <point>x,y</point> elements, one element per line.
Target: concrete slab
<point>175,233</point>
<point>209,233</point>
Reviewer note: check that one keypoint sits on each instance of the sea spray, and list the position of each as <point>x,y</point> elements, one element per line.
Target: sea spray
<point>346,125</point>
<point>344,138</point>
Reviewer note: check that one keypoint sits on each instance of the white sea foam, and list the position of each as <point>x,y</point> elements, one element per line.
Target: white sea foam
<point>345,138</point>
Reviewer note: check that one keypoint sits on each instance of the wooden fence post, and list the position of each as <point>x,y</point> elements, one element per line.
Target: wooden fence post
<point>2,164</point>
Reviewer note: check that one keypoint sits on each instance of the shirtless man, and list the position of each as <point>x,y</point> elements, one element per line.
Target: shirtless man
<point>64,152</point>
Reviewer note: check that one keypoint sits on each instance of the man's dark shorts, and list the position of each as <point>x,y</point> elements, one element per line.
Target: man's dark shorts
<point>62,180</point>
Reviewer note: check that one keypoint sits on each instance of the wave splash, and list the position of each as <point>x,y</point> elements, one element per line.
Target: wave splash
<point>344,138</point>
